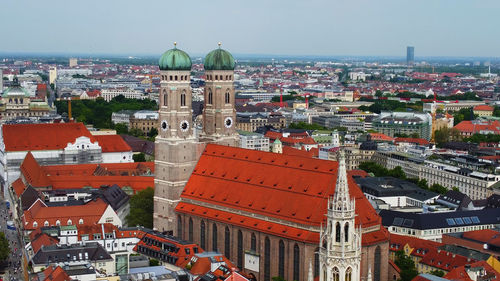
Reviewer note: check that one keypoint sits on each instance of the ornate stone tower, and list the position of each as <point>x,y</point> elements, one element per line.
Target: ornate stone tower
<point>219,114</point>
<point>340,240</point>
<point>175,145</point>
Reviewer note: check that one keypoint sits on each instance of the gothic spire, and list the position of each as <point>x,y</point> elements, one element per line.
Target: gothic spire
<point>341,199</point>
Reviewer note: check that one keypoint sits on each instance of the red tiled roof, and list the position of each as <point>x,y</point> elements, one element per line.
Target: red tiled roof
<point>24,137</point>
<point>412,140</point>
<point>380,137</point>
<point>18,187</point>
<point>460,273</point>
<point>444,260</point>
<point>42,240</point>
<point>489,236</point>
<point>33,172</point>
<point>420,246</point>
<point>203,264</point>
<point>483,107</point>
<point>313,152</point>
<point>269,184</point>
<point>474,126</point>
<point>55,274</point>
<point>91,213</point>
<point>112,143</point>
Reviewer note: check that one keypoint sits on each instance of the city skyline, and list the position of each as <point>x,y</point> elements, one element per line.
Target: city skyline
<point>312,28</point>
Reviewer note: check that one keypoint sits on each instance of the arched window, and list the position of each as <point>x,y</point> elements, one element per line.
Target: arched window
<point>80,221</point>
<point>296,262</point>
<point>165,98</point>
<point>337,232</point>
<point>58,222</point>
<point>228,98</point>
<point>46,223</point>
<point>179,227</point>
<point>240,249</point>
<point>227,243</point>
<point>253,243</point>
<point>348,274</point>
<point>281,259</point>
<point>336,274</point>
<point>267,259</point>
<point>316,262</point>
<point>216,78</point>
<point>210,96</point>
<point>35,224</point>
<point>170,77</point>
<point>182,77</point>
<point>346,232</point>
<point>175,77</point>
<point>183,98</point>
<point>69,222</point>
<point>214,237</point>
<point>377,264</point>
<point>202,235</point>
<point>190,229</point>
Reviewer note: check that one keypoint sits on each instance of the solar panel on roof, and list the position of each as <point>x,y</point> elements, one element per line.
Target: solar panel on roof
<point>450,221</point>
<point>459,221</point>
<point>397,221</point>
<point>467,220</point>
<point>475,219</point>
<point>408,222</point>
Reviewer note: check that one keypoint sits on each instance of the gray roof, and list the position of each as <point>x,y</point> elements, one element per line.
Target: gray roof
<point>389,186</point>
<point>432,277</point>
<point>62,253</point>
<point>441,219</point>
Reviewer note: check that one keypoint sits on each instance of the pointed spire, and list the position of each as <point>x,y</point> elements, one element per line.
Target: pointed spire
<point>310,275</point>
<point>341,198</point>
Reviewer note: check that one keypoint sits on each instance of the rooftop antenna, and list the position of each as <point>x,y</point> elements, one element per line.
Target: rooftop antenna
<point>281,95</point>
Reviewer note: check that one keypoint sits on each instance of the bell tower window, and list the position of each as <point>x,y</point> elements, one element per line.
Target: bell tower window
<point>210,96</point>
<point>228,98</point>
<point>183,99</point>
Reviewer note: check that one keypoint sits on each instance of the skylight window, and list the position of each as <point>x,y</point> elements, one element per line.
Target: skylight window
<point>450,221</point>
<point>459,221</point>
<point>467,220</point>
<point>475,219</point>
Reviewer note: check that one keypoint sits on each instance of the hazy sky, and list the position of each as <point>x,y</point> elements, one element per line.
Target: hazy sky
<point>292,27</point>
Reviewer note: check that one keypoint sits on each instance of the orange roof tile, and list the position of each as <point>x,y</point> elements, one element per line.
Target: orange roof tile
<point>33,172</point>
<point>489,236</point>
<point>420,246</point>
<point>274,185</point>
<point>18,187</point>
<point>475,127</point>
<point>380,137</point>
<point>112,143</point>
<point>288,150</point>
<point>24,137</point>
<point>42,240</point>
<point>460,273</point>
<point>444,260</point>
<point>483,108</point>
<point>202,264</point>
<point>52,273</point>
<point>412,140</point>
<point>90,213</point>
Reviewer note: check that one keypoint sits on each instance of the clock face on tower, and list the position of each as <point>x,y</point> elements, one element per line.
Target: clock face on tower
<point>184,125</point>
<point>164,125</point>
<point>228,122</point>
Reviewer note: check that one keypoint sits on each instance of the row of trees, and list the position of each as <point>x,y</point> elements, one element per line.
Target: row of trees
<point>390,105</point>
<point>380,171</point>
<point>98,112</point>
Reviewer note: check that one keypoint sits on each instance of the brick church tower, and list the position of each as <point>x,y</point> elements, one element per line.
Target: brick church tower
<point>175,146</point>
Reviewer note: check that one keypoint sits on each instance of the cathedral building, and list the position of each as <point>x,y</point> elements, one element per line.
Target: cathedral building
<point>177,148</point>
<point>271,214</point>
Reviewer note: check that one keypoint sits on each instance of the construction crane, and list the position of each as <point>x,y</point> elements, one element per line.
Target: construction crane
<point>150,76</point>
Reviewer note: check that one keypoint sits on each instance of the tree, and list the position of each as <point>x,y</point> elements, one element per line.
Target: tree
<point>135,132</point>
<point>4,247</point>
<point>306,126</point>
<point>437,272</point>
<point>141,208</point>
<point>438,188</point>
<point>140,157</point>
<point>154,262</point>
<point>278,278</point>
<point>406,265</point>
<point>152,133</point>
<point>121,129</point>
<point>397,172</point>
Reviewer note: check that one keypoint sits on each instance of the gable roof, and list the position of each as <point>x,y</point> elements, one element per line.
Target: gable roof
<point>32,172</point>
<point>112,143</point>
<point>52,273</point>
<point>460,273</point>
<point>43,239</point>
<point>24,137</point>
<point>281,187</point>
<point>90,213</point>
<point>19,187</point>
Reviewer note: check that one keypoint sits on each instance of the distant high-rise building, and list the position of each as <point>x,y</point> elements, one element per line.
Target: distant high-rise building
<point>73,62</point>
<point>1,81</point>
<point>410,55</point>
<point>52,75</point>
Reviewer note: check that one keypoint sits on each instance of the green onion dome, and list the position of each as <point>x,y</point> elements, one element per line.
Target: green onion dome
<point>219,59</point>
<point>175,59</point>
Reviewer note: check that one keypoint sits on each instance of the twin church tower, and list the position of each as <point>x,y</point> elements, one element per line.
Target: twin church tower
<point>177,147</point>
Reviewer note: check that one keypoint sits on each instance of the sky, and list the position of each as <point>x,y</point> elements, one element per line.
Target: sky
<point>273,27</point>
